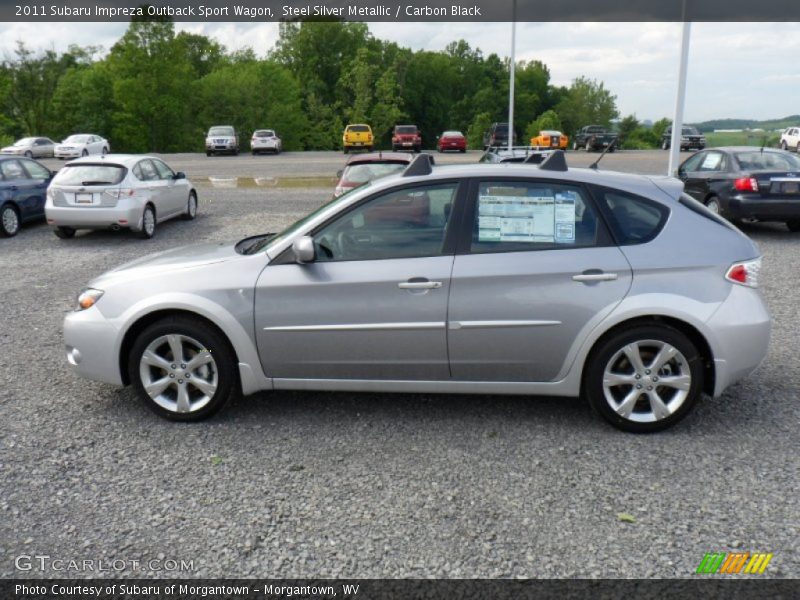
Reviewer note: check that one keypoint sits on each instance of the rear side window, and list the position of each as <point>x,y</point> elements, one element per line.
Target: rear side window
<point>701,209</point>
<point>520,216</point>
<point>84,174</point>
<point>633,219</point>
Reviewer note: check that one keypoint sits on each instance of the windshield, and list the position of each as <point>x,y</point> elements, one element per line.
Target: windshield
<point>265,133</point>
<point>369,171</point>
<point>87,174</point>
<point>77,139</point>
<point>358,128</point>
<point>406,129</point>
<point>274,239</point>
<point>25,142</point>
<point>221,131</point>
<point>757,160</point>
<point>501,128</point>
<point>689,131</point>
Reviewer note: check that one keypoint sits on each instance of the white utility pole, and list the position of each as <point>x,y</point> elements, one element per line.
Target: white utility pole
<point>677,121</point>
<point>512,67</point>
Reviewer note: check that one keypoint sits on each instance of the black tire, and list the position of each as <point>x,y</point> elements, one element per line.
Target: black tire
<point>64,233</point>
<point>575,146</point>
<point>190,213</point>
<point>208,153</point>
<point>236,152</point>
<point>147,231</point>
<point>606,351</point>
<point>713,204</point>
<point>463,151</point>
<point>346,149</point>
<point>665,145</point>
<point>369,148</point>
<point>212,340</point>
<point>105,151</point>
<point>10,221</point>
<point>793,225</point>
<point>85,153</point>
<point>28,154</point>
<point>784,146</point>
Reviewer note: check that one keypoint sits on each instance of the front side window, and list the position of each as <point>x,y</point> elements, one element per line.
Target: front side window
<point>519,216</point>
<point>164,172</point>
<point>402,223</point>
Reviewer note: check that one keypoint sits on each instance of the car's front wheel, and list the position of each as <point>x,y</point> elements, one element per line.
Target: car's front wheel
<point>64,233</point>
<point>644,378</point>
<point>191,207</point>
<point>784,146</point>
<point>183,369</point>
<point>85,153</point>
<point>9,220</point>
<point>793,224</point>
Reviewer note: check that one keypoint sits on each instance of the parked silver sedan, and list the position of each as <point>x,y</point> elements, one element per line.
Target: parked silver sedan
<point>32,147</point>
<point>117,192</point>
<point>501,279</point>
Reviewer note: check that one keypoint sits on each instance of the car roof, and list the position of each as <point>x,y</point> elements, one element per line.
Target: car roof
<point>646,185</point>
<point>746,149</point>
<point>126,160</point>
<point>371,157</point>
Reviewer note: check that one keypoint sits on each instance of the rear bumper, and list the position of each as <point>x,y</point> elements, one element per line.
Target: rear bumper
<point>122,215</point>
<point>741,331</point>
<point>67,153</point>
<point>765,209</point>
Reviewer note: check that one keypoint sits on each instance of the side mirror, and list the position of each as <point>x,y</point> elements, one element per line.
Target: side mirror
<point>339,173</point>
<point>303,249</point>
<point>180,175</point>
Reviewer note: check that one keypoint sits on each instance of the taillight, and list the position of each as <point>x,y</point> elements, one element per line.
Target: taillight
<point>746,184</point>
<point>120,192</point>
<point>745,273</point>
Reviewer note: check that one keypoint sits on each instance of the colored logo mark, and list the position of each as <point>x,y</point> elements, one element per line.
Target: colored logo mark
<point>734,563</point>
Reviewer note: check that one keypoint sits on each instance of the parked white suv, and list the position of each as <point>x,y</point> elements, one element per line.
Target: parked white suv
<point>790,139</point>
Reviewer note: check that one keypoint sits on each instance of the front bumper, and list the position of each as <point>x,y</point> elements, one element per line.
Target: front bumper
<point>91,346</point>
<point>125,214</point>
<point>781,208</point>
<point>67,153</point>
<point>741,331</point>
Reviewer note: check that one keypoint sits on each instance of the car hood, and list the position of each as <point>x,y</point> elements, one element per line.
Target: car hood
<point>184,257</point>
<point>14,149</point>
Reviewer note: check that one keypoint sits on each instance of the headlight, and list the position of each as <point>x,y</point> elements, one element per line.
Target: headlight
<point>88,298</point>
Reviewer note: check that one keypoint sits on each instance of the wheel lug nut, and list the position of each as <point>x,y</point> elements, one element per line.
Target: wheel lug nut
<point>638,376</point>
<point>183,366</point>
<point>638,386</point>
<point>180,380</point>
<point>172,375</point>
<point>187,376</point>
<point>649,388</point>
<point>173,366</point>
<point>647,371</point>
<point>655,379</point>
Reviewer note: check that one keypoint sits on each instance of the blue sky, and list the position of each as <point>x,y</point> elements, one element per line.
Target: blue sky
<point>737,70</point>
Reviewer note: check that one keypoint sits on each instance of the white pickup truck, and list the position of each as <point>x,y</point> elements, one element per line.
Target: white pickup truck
<point>790,139</point>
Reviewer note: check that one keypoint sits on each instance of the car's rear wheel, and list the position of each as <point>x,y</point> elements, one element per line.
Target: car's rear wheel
<point>191,207</point>
<point>644,378</point>
<point>183,369</point>
<point>346,149</point>
<point>64,233</point>
<point>148,227</point>
<point>793,225</point>
<point>712,203</point>
<point>9,220</point>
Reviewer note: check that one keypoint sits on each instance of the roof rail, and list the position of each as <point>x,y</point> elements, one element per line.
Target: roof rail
<point>421,165</point>
<point>557,161</point>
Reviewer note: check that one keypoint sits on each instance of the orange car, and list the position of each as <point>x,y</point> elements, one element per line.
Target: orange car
<point>549,138</point>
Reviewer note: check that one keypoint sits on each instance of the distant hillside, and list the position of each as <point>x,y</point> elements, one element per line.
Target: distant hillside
<point>768,125</point>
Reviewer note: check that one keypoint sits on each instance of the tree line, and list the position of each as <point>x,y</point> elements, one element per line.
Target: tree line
<point>156,90</point>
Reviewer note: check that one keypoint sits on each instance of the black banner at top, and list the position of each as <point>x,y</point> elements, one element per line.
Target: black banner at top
<point>401,10</point>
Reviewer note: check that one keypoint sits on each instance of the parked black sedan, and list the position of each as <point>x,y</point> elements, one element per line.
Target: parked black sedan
<point>746,183</point>
<point>23,190</point>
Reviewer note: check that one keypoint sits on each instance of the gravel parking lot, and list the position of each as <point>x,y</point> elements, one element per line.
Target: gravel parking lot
<point>371,485</point>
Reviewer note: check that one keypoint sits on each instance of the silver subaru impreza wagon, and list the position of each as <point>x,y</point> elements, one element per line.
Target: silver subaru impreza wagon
<point>490,279</point>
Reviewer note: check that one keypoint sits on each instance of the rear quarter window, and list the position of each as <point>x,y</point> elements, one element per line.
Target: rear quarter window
<point>633,219</point>
<point>701,209</point>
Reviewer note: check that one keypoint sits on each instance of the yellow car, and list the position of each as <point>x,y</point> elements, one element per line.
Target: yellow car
<point>550,138</point>
<point>357,137</point>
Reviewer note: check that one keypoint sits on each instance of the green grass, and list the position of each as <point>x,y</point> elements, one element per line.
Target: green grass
<point>742,138</point>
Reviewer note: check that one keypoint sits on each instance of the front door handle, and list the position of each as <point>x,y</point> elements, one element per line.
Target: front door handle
<point>419,284</point>
<point>595,276</point>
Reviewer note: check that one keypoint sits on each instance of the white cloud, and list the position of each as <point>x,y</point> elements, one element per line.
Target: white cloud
<point>735,70</point>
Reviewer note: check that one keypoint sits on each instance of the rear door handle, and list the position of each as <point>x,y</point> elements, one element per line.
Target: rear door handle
<point>589,277</point>
<point>419,285</point>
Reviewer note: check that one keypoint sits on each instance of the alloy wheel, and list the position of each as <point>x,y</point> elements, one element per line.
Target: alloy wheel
<point>10,221</point>
<point>178,373</point>
<point>647,381</point>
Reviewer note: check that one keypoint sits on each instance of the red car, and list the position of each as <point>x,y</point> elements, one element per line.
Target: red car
<point>452,140</point>
<point>362,168</point>
<point>406,137</point>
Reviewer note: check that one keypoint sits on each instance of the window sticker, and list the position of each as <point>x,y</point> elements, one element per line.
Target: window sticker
<point>565,204</point>
<point>711,161</point>
<point>545,217</point>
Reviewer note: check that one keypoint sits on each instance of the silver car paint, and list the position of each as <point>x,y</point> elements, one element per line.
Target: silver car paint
<point>671,278</point>
<point>169,198</point>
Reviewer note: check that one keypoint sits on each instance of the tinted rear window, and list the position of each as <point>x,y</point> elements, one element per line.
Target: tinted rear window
<point>90,175</point>
<point>358,128</point>
<point>633,219</point>
<point>757,160</point>
<point>501,128</point>
<point>265,133</point>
